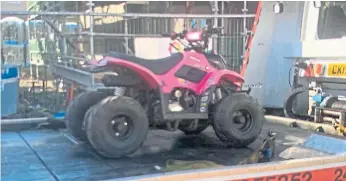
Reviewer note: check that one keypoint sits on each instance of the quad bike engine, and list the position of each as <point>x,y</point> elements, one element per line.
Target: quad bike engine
<point>181,99</point>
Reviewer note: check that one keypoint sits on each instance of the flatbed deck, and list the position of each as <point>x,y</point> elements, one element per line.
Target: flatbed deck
<point>52,155</point>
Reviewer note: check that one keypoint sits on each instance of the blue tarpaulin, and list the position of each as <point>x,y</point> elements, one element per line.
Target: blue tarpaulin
<point>325,144</point>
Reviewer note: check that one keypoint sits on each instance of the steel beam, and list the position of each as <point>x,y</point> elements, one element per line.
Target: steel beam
<point>111,34</point>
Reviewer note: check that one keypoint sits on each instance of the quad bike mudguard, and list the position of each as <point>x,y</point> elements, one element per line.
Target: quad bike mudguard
<point>145,74</point>
<point>173,77</point>
<point>216,77</point>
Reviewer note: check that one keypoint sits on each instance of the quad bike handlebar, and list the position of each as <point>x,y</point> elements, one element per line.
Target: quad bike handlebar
<point>194,45</point>
<point>207,32</point>
<point>181,35</point>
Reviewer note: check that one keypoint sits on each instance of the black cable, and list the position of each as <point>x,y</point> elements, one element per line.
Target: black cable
<point>289,76</point>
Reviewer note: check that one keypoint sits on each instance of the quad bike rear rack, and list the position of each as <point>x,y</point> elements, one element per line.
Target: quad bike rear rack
<point>83,78</point>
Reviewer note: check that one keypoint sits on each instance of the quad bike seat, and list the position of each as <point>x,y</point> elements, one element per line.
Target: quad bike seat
<point>157,66</point>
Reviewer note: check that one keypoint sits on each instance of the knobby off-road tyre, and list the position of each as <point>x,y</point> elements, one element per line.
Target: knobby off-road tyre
<point>77,109</point>
<point>106,129</point>
<point>202,125</point>
<point>235,131</point>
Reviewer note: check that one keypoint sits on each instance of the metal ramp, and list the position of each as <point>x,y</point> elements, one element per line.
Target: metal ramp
<point>53,155</point>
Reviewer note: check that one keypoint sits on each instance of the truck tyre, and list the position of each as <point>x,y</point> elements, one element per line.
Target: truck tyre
<point>117,126</point>
<point>77,109</point>
<point>238,120</point>
<point>202,125</point>
<point>289,102</point>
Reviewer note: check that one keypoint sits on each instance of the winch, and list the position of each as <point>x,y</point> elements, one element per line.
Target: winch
<point>330,109</point>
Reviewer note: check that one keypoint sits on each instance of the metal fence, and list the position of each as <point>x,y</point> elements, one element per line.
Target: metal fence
<point>113,37</point>
<point>104,32</point>
<point>52,38</point>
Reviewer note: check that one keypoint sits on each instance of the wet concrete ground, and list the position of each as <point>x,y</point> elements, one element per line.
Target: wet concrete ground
<point>45,155</point>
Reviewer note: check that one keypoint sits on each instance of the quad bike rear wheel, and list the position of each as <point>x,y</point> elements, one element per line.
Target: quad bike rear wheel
<point>238,120</point>
<point>116,126</point>
<point>77,109</point>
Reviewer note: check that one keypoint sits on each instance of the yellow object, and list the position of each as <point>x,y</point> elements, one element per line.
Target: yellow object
<point>340,129</point>
<point>337,70</point>
<point>179,165</point>
<point>183,81</point>
<point>177,45</point>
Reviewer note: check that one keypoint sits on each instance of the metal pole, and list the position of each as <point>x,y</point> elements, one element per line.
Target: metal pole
<point>222,48</point>
<point>64,48</point>
<point>92,53</point>
<point>245,29</point>
<point>79,39</point>
<point>126,31</point>
<point>215,9</point>
<point>223,19</point>
<point>24,120</point>
<point>127,15</point>
<point>301,124</point>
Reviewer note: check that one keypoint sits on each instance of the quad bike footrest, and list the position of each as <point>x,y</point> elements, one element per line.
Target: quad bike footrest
<point>176,116</point>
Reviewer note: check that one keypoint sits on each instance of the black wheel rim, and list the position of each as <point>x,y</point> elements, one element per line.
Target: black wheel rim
<point>242,120</point>
<point>121,127</point>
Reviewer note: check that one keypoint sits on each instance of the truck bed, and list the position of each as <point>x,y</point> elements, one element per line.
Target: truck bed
<point>53,155</point>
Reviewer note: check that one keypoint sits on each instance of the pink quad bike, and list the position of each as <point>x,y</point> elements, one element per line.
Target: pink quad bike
<point>187,91</point>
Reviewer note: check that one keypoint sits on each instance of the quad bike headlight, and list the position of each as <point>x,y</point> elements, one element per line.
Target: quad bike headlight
<point>177,94</point>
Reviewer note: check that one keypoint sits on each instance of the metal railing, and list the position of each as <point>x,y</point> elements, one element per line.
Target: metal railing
<point>128,15</point>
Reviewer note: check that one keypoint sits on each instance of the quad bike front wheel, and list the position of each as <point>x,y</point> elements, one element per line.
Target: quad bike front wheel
<point>238,120</point>
<point>116,126</point>
<point>77,109</point>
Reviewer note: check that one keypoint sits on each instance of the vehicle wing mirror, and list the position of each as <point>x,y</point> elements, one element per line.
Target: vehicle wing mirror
<point>278,7</point>
<point>343,7</point>
<point>317,4</point>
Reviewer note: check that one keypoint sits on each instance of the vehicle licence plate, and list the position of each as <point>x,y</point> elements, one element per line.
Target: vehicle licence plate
<point>337,70</point>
